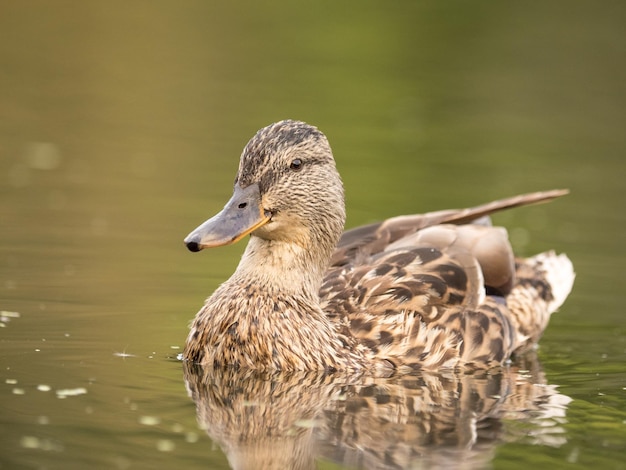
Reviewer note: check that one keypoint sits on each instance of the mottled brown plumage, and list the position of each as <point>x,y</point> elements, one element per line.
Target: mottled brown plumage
<point>432,291</point>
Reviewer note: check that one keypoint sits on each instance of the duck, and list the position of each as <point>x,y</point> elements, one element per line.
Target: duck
<point>435,291</point>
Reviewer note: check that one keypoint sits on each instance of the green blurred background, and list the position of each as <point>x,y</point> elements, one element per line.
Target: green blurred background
<point>121,124</point>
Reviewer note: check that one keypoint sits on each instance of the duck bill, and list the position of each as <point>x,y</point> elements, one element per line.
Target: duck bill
<point>241,215</point>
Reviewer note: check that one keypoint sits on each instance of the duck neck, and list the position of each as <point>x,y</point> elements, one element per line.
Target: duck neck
<point>285,267</point>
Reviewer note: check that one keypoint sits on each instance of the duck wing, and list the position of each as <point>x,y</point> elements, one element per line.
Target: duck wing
<point>426,291</point>
<point>373,238</point>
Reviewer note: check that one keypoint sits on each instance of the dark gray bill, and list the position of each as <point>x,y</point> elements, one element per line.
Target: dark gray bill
<point>241,215</point>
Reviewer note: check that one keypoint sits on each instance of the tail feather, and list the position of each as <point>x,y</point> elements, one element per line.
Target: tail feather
<point>543,283</point>
<point>559,273</point>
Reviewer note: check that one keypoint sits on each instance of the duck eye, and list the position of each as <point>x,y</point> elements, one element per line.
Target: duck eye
<point>296,164</point>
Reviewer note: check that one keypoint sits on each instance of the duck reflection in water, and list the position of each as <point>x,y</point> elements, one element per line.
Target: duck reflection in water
<point>293,420</point>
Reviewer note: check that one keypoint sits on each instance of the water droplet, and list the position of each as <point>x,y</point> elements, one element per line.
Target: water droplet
<point>71,392</point>
<point>42,156</point>
<point>149,420</point>
<point>165,445</point>
<point>29,442</point>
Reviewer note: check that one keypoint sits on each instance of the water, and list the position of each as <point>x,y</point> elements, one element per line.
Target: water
<point>120,129</point>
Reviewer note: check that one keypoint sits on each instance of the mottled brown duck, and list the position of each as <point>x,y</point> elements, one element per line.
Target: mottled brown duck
<point>440,290</point>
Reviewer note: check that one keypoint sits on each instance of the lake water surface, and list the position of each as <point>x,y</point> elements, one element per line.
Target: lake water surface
<point>121,125</point>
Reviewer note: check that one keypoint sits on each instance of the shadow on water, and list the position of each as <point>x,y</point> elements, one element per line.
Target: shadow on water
<point>454,420</point>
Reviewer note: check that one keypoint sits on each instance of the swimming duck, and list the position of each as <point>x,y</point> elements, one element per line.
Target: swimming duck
<point>441,290</point>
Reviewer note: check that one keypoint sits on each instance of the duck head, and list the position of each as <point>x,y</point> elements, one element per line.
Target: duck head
<point>287,189</point>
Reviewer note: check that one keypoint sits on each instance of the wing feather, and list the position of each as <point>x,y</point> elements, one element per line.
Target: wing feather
<point>412,289</point>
